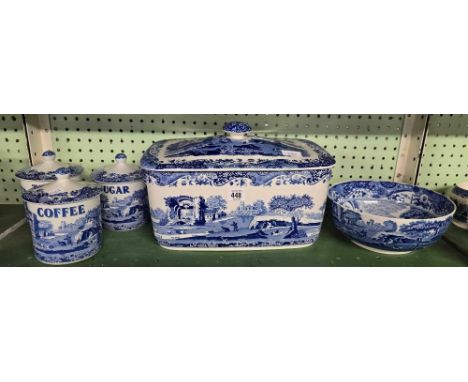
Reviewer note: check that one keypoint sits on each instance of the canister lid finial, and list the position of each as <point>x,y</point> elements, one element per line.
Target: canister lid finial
<point>48,155</point>
<point>63,173</point>
<point>120,157</point>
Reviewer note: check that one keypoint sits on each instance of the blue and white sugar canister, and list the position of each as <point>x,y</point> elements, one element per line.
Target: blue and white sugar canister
<point>236,191</point>
<point>459,195</point>
<point>65,219</point>
<point>124,199</point>
<point>45,171</point>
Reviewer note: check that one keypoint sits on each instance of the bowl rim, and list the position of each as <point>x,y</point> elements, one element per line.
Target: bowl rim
<point>454,206</point>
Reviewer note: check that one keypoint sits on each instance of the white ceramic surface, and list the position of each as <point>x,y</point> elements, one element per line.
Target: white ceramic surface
<point>388,217</point>
<point>65,220</point>
<point>44,172</point>
<point>124,198</point>
<point>459,195</point>
<point>237,191</point>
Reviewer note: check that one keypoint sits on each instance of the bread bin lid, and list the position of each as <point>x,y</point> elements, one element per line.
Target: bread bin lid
<point>47,169</point>
<point>118,172</point>
<point>237,149</point>
<point>64,189</point>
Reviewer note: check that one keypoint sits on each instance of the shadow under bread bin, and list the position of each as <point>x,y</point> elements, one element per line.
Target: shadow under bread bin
<point>45,171</point>
<point>65,219</point>
<point>236,191</point>
<point>123,200</point>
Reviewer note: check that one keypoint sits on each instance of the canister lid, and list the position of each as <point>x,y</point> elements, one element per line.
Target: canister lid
<point>461,189</point>
<point>118,172</point>
<point>237,149</point>
<point>47,169</point>
<point>63,190</point>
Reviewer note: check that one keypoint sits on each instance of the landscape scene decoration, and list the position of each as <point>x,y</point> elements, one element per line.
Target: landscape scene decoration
<point>189,221</point>
<point>67,241</point>
<point>387,233</point>
<point>223,153</point>
<point>220,146</point>
<point>124,213</point>
<point>405,217</point>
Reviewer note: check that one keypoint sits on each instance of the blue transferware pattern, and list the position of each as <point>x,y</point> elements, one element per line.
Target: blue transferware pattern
<point>103,177</point>
<point>125,213</point>
<point>198,221</point>
<point>69,242</point>
<point>48,154</point>
<point>238,178</point>
<point>390,217</point>
<point>109,174</point>
<point>65,219</point>
<point>47,169</point>
<point>38,195</point>
<point>457,190</point>
<point>43,195</point>
<point>227,146</point>
<point>226,152</point>
<point>459,195</point>
<point>237,191</point>
<point>462,212</point>
<point>124,199</point>
<point>237,127</point>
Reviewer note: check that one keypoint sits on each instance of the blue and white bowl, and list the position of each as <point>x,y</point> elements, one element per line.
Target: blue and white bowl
<point>65,219</point>
<point>124,198</point>
<point>388,217</point>
<point>459,195</point>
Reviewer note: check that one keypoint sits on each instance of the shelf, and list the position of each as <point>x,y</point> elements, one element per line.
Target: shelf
<point>138,248</point>
<point>9,215</point>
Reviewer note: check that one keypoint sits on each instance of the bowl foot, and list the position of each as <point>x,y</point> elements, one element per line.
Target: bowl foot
<point>382,251</point>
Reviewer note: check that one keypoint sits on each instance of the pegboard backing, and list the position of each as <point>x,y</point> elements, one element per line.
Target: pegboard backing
<point>13,156</point>
<point>445,156</point>
<point>365,146</point>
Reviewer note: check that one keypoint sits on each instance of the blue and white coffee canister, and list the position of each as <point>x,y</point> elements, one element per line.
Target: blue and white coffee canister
<point>65,219</point>
<point>236,191</point>
<point>459,195</point>
<point>123,200</point>
<point>45,171</point>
